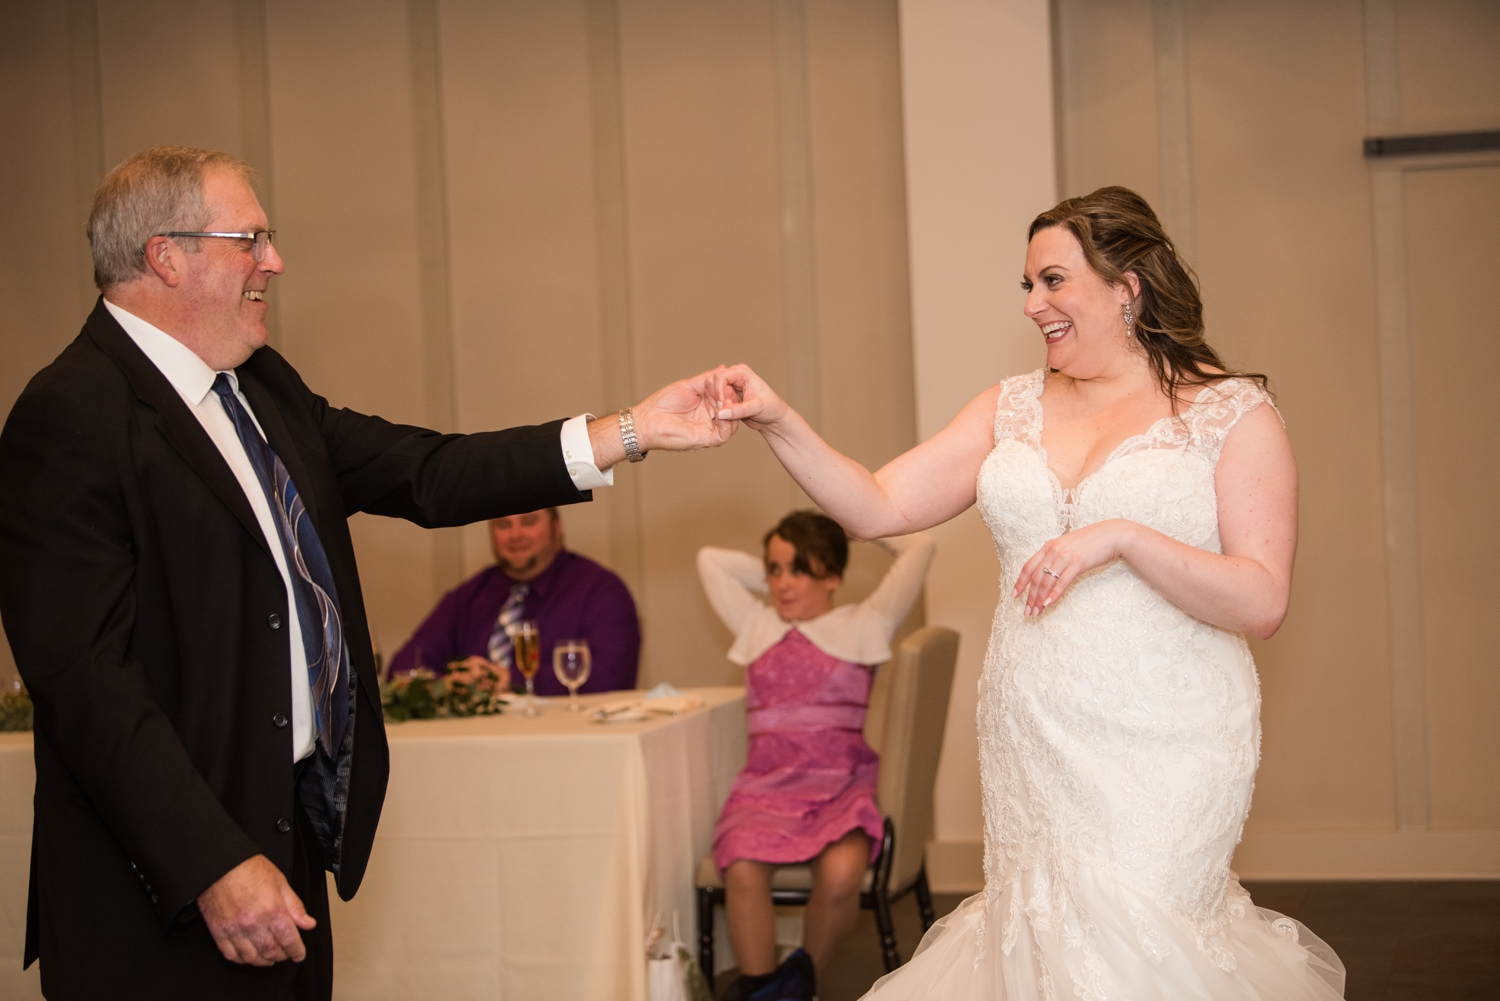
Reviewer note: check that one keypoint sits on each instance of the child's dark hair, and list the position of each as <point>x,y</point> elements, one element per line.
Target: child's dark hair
<point>821,545</point>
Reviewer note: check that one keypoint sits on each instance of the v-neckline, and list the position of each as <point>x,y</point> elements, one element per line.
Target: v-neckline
<point>1068,495</point>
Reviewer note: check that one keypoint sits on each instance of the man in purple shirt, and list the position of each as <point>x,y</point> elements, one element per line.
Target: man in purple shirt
<point>569,596</point>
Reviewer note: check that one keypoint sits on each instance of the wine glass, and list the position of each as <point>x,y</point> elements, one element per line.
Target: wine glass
<point>525,643</point>
<point>571,662</point>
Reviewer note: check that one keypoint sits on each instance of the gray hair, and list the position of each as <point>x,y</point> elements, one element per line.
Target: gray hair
<point>156,191</point>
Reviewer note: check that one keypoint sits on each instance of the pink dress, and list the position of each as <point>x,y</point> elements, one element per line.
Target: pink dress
<point>809,777</point>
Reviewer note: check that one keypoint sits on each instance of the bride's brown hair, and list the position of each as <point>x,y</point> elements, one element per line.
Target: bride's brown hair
<point>1119,233</point>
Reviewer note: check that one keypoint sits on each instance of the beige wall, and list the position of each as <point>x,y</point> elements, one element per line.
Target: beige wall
<point>1448,78</point>
<point>502,213</point>
<point>976,76</point>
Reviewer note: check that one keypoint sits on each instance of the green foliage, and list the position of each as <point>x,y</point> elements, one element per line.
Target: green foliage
<point>697,983</point>
<point>461,692</point>
<point>16,710</point>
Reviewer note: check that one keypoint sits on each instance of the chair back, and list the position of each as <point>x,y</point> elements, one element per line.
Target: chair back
<point>910,696</point>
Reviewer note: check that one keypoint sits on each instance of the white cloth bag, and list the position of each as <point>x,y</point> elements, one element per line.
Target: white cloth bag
<point>670,967</point>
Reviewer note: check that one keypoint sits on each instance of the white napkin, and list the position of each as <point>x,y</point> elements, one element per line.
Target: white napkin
<point>641,707</point>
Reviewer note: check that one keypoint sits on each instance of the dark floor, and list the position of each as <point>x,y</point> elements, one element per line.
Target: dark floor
<point>1406,941</point>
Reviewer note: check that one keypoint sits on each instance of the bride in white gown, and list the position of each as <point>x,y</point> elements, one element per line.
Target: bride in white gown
<point>1143,504</point>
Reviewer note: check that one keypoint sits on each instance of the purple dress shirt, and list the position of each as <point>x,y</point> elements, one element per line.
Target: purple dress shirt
<point>574,598</point>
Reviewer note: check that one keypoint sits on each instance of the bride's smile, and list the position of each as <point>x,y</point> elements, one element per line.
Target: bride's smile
<point>1078,312</point>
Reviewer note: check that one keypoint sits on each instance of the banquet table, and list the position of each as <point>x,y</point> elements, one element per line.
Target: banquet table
<point>517,857</point>
<point>17,780</point>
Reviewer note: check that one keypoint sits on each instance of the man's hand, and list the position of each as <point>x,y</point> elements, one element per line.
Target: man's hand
<point>254,915</point>
<point>675,418</point>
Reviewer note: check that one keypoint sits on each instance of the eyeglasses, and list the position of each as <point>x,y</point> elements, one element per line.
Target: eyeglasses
<point>259,240</point>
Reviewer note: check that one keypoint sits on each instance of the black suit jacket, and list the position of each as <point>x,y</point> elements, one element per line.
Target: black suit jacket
<point>145,612</point>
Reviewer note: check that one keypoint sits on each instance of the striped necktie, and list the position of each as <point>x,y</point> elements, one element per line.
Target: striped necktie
<point>501,649</point>
<point>312,580</point>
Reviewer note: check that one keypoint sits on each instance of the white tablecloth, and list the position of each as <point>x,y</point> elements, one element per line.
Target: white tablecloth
<point>517,858</point>
<point>17,780</point>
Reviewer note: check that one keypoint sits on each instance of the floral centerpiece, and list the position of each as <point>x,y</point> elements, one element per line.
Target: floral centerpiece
<point>469,688</point>
<point>16,711</point>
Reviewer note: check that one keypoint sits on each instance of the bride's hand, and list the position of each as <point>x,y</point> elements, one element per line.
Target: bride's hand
<point>746,397</point>
<point>1054,567</point>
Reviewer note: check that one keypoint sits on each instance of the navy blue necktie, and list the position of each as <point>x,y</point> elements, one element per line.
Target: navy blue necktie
<point>312,581</point>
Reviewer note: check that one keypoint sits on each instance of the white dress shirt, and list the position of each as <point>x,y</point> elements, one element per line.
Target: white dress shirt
<point>859,634</point>
<point>578,453</point>
<point>194,382</point>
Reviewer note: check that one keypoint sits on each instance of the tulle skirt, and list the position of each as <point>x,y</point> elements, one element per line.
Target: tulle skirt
<point>1111,943</point>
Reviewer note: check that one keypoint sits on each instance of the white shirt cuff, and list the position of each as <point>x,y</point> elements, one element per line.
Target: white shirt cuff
<point>579,455</point>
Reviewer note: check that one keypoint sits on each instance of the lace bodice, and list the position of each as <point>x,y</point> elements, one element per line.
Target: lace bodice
<point>1116,731</point>
<point>1173,454</point>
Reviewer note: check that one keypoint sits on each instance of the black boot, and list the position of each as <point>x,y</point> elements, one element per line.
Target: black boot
<point>793,980</point>
<point>742,987</point>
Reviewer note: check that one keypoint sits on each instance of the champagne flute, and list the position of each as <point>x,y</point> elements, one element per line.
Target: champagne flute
<point>571,662</point>
<point>525,643</point>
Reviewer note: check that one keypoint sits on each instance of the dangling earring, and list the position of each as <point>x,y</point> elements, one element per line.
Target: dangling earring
<point>1129,321</point>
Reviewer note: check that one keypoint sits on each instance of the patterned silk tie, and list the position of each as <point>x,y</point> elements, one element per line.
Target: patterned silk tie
<point>312,580</point>
<point>501,649</point>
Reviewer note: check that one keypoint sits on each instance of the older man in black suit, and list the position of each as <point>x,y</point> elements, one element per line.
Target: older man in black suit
<point>179,587</point>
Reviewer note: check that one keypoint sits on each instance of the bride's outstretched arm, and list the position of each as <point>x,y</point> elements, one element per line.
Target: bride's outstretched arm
<point>919,489</point>
<point>1244,589</point>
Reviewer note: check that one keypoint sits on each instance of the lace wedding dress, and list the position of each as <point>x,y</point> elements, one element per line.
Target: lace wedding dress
<point>1118,740</point>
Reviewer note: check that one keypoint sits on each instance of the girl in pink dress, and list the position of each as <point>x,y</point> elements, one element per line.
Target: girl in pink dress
<point>807,793</point>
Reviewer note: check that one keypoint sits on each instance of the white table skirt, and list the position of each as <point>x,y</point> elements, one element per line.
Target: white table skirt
<point>516,858</point>
<point>17,781</point>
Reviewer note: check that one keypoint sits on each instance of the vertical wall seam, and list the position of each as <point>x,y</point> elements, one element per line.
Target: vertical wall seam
<point>1059,102</point>
<point>88,129</point>
<point>616,334</point>
<point>1382,82</point>
<point>255,121</point>
<point>1402,542</point>
<point>794,142</point>
<point>1174,125</point>
<point>1397,430</point>
<point>434,279</point>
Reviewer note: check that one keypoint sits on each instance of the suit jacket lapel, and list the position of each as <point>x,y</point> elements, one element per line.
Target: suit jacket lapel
<point>173,419</point>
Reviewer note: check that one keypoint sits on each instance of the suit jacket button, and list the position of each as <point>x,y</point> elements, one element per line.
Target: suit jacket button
<point>283,825</point>
<point>273,620</point>
<point>279,719</point>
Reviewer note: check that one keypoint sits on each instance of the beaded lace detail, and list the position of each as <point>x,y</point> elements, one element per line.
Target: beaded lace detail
<point>1117,733</point>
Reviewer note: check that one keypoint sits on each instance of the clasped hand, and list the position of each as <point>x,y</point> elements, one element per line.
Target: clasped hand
<point>1054,567</point>
<point>684,415</point>
<point>474,671</point>
<point>745,396</point>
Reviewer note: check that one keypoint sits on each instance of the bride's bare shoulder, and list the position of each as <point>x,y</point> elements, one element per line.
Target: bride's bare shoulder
<point>1215,383</point>
<point>979,415</point>
<point>1016,387</point>
<point>1020,391</point>
<point>983,406</point>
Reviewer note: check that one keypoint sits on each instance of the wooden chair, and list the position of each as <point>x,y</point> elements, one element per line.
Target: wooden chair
<point>908,711</point>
